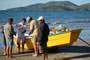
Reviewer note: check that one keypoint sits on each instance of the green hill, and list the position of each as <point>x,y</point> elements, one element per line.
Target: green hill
<point>85,7</point>
<point>53,6</point>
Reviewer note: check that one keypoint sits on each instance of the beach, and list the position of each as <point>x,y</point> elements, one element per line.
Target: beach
<point>78,20</point>
<point>69,26</point>
<point>68,21</point>
<point>78,51</point>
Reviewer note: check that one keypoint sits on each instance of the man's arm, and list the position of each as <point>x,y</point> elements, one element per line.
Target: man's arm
<point>20,27</point>
<point>12,30</point>
<point>48,29</point>
<point>31,27</point>
<point>24,28</point>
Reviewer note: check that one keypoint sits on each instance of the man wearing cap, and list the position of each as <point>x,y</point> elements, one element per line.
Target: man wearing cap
<point>20,33</point>
<point>43,37</point>
<point>34,30</point>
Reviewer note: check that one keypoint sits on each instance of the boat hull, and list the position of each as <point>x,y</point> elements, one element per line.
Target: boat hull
<point>60,39</point>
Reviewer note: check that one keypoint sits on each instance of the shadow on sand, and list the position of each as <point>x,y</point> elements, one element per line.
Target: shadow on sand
<point>75,57</point>
<point>71,49</point>
<point>21,53</point>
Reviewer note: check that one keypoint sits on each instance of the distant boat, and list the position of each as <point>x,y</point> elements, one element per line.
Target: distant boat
<point>59,39</point>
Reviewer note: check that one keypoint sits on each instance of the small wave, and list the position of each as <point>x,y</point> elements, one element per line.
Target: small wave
<point>79,21</point>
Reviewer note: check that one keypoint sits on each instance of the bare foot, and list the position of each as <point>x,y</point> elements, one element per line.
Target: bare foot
<point>35,55</point>
<point>4,54</point>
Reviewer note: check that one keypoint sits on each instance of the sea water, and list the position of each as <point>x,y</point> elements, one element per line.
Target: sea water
<point>71,19</point>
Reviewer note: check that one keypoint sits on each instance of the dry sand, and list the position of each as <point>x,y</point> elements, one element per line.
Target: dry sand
<point>78,51</point>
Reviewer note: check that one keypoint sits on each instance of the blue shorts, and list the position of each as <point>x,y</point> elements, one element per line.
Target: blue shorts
<point>9,43</point>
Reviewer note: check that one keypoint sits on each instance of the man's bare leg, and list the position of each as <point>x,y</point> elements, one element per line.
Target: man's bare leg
<point>5,50</point>
<point>10,51</point>
<point>18,47</point>
<point>23,47</point>
<point>35,50</point>
<point>45,56</point>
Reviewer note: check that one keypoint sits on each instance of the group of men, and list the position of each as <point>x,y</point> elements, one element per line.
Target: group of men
<point>38,28</point>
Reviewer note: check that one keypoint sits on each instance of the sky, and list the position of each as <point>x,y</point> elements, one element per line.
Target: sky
<point>6,4</point>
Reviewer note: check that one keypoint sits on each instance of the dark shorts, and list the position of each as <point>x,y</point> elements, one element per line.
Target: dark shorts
<point>43,48</point>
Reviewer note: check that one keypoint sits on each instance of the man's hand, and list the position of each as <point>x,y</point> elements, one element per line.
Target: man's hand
<point>23,31</point>
<point>29,33</point>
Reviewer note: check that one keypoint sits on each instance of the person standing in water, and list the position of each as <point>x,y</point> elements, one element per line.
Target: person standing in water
<point>4,40</point>
<point>43,37</point>
<point>34,29</point>
<point>20,33</point>
<point>9,32</point>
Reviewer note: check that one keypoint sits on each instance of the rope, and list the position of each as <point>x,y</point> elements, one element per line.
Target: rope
<point>84,41</point>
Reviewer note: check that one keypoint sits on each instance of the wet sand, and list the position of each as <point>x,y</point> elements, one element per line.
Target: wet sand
<point>78,51</point>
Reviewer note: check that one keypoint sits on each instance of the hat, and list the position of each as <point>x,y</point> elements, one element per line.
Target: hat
<point>40,18</point>
<point>28,18</point>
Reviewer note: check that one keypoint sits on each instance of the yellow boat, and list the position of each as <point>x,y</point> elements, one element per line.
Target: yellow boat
<point>59,39</point>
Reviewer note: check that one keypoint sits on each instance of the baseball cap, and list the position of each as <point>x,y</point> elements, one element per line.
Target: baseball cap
<point>28,18</point>
<point>40,18</point>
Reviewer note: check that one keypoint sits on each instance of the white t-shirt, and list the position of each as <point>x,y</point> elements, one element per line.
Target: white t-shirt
<point>34,25</point>
<point>19,32</point>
